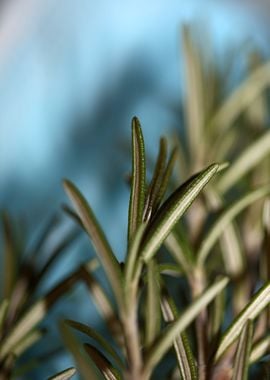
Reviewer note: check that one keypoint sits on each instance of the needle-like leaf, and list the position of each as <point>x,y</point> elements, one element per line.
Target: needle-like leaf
<point>167,338</point>
<point>137,194</point>
<point>64,375</point>
<point>181,344</point>
<point>104,251</point>
<point>258,302</point>
<point>28,341</point>
<point>156,182</point>
<point>86,367</point>
<point>102,363</point>
<point>172,210</point>
<point>242,97</point>
<point>195,116</point>
<point>3,311</point>
<point>9,273</point>
<point>226,217</point>
<point>94,335</point>
<point>152,309</point>
<point>36,313</point>
<point>246,161</point>
<point>241,364</point>
<point>260,349</point>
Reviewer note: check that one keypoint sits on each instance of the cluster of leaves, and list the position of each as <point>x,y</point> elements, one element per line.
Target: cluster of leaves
<point>192,296</point>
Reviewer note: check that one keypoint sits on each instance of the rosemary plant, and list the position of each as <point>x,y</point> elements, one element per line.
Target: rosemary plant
<point>191,299</point>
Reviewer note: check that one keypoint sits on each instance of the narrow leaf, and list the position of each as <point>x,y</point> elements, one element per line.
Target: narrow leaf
<point>241,98</point>
<point>93,334</point>
<point>155,184</point>
<point>170,269</point>
<point>179,254</point>
<point>165,179</point>
<point>167,338</point>
<point>241,364</point>
<point>260,349</point>
<point>108,259</point>
<point>103,302</point>
<point>182,348</point>
<point>258,302</point>
<point>226,217</point>
<point>3,311</point>
<point>152,308</point>
<point>137,194</point>
<point>251,156</point>
<point>195,116</point>
<point>9,272</point>
<point>36,313</point>
<point>86,368</point>
<point>172,210</point>
<point>64,375</point>
<point>29,340</point>
<point>102,363</point>
<point>133,254</point>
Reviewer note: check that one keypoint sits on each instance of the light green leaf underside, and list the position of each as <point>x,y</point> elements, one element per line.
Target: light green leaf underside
<point>258,302</point>
<point>226,217</point>
<point>172,210</point>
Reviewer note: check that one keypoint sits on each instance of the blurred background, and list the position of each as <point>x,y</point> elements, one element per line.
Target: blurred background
<point>72,75</point>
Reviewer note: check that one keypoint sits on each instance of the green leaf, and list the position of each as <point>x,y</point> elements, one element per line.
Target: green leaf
<point>258,302</point>
<point>170,269</point>
<point>93,334</point>
<point>104,251</point>
<point>230,244</point>
<point>152,307</point>
<point>137,194</point>
<point>241,98</point>
<point>226,217</point>
<point>64,375</point>
<point>133,254</point>
<point>155,184</point>
<point>3,312</point>
<point>27,341</point>
<point>10,270</point>
<point>166,339</point>
<point>102,363</point>
<point>56,254</point>
<point>195,115</point>
<point>185,359</point>
<point>260,349</point>
<point>86,367</point>
<point>245,162</point>
<point>180,254</point>
<point>172,210</point>
<point>36,313</point>
<point>241,364</point>
<point>103,303</point>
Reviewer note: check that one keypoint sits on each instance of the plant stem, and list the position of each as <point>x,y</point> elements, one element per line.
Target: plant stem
<point>132,336</point>
<point>198,286</point>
